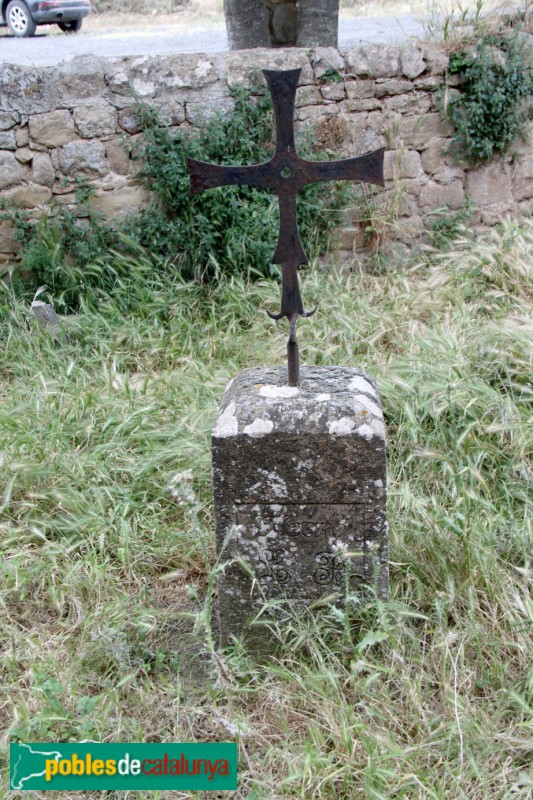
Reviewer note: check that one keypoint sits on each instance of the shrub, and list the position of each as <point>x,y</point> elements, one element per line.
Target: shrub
<point>488,113</point>
<point>234,227</point>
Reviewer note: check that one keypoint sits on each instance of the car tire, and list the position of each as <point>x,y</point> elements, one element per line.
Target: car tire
<point>19,20</point>
<point>70,27</point>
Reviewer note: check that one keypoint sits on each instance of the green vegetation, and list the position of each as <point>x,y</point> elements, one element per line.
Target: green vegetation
<point>227,230</point>
<point>107,531</point>
<point>488,112</point>
<point>233,229</point>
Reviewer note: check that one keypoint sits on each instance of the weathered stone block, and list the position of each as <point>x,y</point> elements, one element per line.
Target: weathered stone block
<point>418,131</point>
<point>393,86</point>
<point>83,157</point>
<point>489,185</point>
<point>54,129</point>
<point>300,487</point>
<point>401,164</point>
<point>8,243</point>
<point>413,103</point>
<point>118,157</point>
<point>81,78</point>
<point>10,170</point>
<point>42,169</point>
<point>357,90</point>
<point>95,120</point>
<point>172,113</point>
<point>373,61</point>
<point>316,113</point>
<point>130,120</point>
<point>412,62</point>
<point>522,178</point>
<point>433,157</point>
<point>434,195</point>
<point>325,59</point>
<point>8,140</point>
<point>28,196</point>
<point>116,203</point>
<point>242,65</point>
<point>308,96</point>
<point>8,120</point>
<point>333,91</point>
<point>24,155</point>
<point>436,58</point>
<point>22,136</point>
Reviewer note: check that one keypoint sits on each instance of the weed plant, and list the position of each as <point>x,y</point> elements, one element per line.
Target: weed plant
<point>107,532</point>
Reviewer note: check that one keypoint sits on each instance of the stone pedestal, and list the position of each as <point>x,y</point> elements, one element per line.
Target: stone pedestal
<point>300,491</point>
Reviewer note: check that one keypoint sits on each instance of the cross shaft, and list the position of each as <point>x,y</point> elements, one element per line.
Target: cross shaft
<point>285,174</point>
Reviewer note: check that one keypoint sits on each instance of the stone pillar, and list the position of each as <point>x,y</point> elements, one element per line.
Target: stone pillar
<point>299,480</point>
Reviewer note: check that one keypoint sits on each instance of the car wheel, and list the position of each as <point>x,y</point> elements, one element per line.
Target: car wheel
<point>19,20</point>
<point>70,27</point>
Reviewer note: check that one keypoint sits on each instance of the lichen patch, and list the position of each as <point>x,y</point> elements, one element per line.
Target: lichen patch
<point>259,427</point>
<point>341,427</point>
<point>227,423</point>
<point>276,392</point>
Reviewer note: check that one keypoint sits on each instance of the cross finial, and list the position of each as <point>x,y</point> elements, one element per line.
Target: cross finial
<point>286,173</point>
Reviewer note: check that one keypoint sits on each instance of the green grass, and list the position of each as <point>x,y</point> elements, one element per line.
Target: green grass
<point>107,532</point>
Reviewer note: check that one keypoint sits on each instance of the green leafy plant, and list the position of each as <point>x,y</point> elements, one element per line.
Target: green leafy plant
<point>487,113</point>
<point>234,228</point>
<point>59,247</point>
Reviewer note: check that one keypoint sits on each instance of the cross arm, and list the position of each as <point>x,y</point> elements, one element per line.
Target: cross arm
<point>211,176</point>
<point>367,168</point>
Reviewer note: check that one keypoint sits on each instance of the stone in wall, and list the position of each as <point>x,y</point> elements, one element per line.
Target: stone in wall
<point>8,120</point>
<point>325,60</point>
<point>412,61</point>
<point>373,61</point>
<point>7,242</point>
<point>118,202</point>
<point>522,177</point>
<point>10,170</point>
<point>82,158</point>
<point>27,196</point>
<point>434,195</point>
<point>42,169</point>
<point>53,129</point>
<point>94,121</point>
<point>243,66</point>
<point>118,157</point>
<point>418,131</point>
<point>81,79</point>
<point>489,188</point>
<point>8,140</point>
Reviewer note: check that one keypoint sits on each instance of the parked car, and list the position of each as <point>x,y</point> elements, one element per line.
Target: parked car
<point>23,16</point>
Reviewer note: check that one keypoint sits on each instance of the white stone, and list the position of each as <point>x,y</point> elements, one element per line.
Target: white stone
<point>323,398</point>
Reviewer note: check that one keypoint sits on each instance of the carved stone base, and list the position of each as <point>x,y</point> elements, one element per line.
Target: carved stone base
<point>299,479</point>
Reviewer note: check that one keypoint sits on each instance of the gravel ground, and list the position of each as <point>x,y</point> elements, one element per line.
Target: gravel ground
<point>49,47</point>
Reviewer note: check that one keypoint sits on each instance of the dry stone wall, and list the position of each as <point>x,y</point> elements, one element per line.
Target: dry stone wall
<point>80,119</point>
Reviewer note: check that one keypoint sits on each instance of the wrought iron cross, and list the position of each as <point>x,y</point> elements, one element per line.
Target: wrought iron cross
<point>285,174</point>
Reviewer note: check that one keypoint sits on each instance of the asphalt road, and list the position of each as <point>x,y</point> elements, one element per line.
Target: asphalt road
<point>48,47</point>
